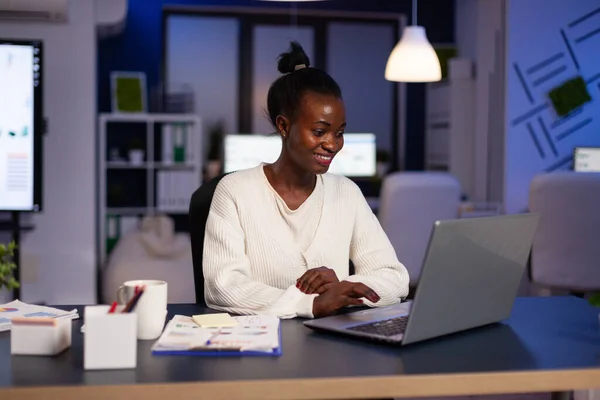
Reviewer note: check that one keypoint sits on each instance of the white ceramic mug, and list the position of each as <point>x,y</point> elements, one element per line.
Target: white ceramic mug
<point>150,309</point>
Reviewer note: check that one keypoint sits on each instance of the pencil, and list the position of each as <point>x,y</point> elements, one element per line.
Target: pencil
<point>131,303</point>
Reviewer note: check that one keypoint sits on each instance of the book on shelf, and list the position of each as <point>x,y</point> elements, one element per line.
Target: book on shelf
<point>177,144</point>
<point>174,190</point>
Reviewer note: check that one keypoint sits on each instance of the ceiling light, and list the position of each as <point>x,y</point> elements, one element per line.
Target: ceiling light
<point>413,59</point>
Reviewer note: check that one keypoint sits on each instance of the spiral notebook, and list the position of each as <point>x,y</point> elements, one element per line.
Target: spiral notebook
<point>256,335</point>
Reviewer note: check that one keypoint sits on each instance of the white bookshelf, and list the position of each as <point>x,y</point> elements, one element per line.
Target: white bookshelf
<point>437,128</point>
<point>189,171</point>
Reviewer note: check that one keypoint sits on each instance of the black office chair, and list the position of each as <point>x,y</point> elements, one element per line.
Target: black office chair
<point>198,215</point>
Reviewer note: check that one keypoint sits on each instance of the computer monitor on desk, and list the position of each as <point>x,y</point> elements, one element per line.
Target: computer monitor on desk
<point>247,151</point>
<point>357,158</point>
<point>586,159</point>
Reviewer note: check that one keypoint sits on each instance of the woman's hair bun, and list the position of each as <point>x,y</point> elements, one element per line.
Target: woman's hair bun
<point>287,62</point>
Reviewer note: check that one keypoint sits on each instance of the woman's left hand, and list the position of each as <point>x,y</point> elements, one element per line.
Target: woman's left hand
<point>316,280</point>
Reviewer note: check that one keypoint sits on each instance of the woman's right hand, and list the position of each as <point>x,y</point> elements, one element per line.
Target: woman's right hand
<point>342,294</point>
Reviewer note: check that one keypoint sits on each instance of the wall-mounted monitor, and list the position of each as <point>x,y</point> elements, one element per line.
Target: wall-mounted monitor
<point>21,125</point>
<point>356,159</point>
<point>586,159</point>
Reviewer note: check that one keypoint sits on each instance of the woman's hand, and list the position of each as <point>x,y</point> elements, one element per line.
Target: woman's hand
<point>340,295</point>
<point>314,280</point>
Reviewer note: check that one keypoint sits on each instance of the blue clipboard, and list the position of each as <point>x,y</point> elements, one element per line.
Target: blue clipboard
<point>208,352</point>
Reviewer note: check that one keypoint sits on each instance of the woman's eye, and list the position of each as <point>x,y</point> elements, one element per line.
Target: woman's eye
<point>318,133</point>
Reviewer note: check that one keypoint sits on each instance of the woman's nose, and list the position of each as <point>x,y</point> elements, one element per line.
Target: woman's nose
<point>330,144</point>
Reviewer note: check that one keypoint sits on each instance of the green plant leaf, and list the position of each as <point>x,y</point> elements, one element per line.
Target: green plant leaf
<point>12,283</point>
<point>7,266</point>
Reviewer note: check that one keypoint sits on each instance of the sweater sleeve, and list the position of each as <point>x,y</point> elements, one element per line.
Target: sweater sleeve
<point>229,285</point>
<point>374,257</point>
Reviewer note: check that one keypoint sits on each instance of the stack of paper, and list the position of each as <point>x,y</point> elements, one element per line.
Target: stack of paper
<point>16,308</point>
<point>255,335</point>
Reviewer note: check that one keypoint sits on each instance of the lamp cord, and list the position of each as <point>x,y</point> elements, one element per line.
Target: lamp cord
<point>294,19</point>
<point>414,12</point>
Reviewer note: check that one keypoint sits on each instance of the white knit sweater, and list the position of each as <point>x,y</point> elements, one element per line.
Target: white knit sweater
<point>251,262</point>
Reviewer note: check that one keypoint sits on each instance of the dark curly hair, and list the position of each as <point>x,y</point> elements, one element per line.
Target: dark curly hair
<point>285,94</point>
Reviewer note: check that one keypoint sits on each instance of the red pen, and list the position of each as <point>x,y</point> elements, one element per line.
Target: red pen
<point>113,307</point>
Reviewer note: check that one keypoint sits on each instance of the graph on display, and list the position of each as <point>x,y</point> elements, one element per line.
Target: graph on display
<point>586,159</point>
<point>20,125</point>
<point>356,159</point>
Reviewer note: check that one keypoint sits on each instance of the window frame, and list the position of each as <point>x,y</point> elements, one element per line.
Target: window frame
<point>249,17</point>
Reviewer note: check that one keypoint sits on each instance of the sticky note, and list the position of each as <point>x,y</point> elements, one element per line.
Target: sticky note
<point>214,320</point>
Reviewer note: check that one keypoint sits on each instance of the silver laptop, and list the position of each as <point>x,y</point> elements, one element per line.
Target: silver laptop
<point>470,277</point>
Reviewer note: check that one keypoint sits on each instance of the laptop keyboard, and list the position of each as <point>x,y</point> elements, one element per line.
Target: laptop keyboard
<point>386,327</point>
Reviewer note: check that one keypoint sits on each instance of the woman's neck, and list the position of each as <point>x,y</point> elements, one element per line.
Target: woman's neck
<point>286,175</point>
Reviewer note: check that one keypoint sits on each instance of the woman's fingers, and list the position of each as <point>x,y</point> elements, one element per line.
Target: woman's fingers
<point>354,302</point>
<point>315,282</point>
<point>313,279</point>
<point>362,290</point>
<point>323,288</point>
<point>301,283</point>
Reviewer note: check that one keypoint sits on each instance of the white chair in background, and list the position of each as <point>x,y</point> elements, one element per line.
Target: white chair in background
<point>154,251</point>
<point>566,248</point>
<point>410,203</point>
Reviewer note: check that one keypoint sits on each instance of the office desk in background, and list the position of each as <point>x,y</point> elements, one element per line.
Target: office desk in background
<point>548,345</point>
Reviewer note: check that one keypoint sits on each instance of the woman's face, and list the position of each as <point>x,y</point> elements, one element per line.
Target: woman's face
<point>316,134</point>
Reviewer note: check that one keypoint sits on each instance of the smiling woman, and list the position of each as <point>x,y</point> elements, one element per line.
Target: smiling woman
<point>279,237</point>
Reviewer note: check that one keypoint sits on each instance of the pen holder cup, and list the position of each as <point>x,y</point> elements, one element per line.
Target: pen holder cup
<point>110,340</point>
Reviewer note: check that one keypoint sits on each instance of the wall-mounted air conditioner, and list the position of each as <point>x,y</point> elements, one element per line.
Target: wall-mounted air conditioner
<point>56,11</point>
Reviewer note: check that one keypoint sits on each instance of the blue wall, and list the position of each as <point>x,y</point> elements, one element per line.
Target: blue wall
<point>139,48</point>
<point>538,140</point>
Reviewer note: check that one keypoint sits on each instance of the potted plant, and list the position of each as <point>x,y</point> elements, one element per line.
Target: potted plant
<point>594,300</point>
<point>7,267</point>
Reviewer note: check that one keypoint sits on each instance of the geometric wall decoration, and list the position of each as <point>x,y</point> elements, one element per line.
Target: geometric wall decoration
<point>553,90</point>
<point>569,96</point>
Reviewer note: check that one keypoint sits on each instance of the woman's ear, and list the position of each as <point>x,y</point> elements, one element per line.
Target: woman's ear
<point>283,126</point>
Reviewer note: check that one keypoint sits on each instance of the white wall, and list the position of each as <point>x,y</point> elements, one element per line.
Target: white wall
<point>465,28</point>
<point>537,48</point>
<point>480,37</point>
<point>58,257</point>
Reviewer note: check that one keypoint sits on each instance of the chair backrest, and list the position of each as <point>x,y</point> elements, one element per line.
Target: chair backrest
<point>410,203</point>
<point>566,250</point>
<point>198,215</point>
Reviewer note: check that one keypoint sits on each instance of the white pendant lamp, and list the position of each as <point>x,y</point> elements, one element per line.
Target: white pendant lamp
<point>413,58</point>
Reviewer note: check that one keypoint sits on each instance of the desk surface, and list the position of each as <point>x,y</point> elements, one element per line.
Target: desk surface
<point>548,344</point>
